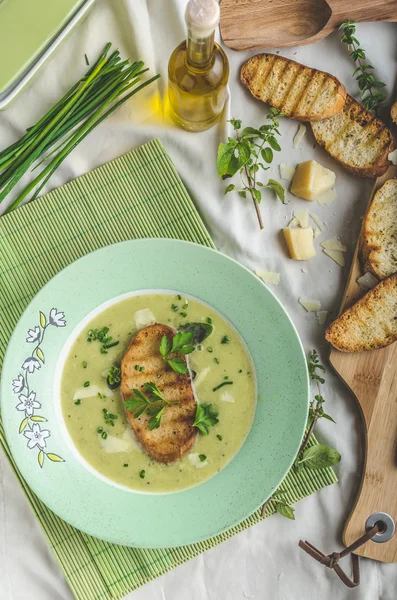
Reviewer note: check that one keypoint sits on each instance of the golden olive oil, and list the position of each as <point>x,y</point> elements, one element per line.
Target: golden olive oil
<point>198,71</point>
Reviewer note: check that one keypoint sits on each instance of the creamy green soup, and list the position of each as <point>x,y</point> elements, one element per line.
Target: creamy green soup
<point>112,449</point>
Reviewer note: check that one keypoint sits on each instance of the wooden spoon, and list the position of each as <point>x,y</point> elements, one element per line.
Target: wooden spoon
<point>253,24</point>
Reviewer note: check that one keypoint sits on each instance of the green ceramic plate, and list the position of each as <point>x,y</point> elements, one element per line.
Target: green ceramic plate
<point>124,516</point>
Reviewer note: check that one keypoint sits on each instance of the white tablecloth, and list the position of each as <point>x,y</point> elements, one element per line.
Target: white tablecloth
<point>263,562</point>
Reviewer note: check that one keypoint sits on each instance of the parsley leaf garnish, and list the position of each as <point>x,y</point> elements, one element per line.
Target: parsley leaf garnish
<point>181,344</point>
<point>153,404</point>
<point>206,416</point>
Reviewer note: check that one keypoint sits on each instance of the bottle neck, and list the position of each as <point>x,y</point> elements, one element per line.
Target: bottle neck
<point>199,51</point>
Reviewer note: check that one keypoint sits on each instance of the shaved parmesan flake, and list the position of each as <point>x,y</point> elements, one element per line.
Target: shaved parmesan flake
<point>316,232</point>
<point>333,244</point>
<point>143,318</point>
<point>393,157</point>
<point>310,305</point>
<point>269,277</point>
<point>201,376</point>
<point>227,397</point>
<point>317,221</point>
<point>196,462</point>
<point>293,223</point>
<point>303,217</point>
<point>113,445</point>
<point>130,436</point>
<point>367,282</point>
<point>336,256</point>
<point>321,316</point>
<point>87,392</point>
<point>286,172</point>
<point>327,198</point>
<point>299,136</point>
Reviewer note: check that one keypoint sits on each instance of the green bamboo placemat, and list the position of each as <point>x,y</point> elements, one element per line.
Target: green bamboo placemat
<point>138,195</point>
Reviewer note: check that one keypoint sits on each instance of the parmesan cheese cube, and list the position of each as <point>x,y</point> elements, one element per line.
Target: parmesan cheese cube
<point>311,180</point>
<point>299,242</point>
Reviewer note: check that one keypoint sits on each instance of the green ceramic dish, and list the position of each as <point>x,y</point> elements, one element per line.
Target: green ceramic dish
<point>26,28</point>
<point>33,422</point>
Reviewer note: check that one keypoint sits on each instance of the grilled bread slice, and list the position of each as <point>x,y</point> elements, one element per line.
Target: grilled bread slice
<point>357,139</point>
<point>176,434</point>
<point>370,323</point>
<point>379,234</point>
<point>298,91</point>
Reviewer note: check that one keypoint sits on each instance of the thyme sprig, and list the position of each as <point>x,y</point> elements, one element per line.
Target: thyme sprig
<point>369,87</point>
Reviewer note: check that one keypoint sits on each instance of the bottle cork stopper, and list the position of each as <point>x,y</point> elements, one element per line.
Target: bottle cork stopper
<point>202,17</point>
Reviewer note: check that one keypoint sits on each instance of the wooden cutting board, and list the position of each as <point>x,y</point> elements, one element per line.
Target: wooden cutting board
<point>254,24</point>
<point>372,377</point>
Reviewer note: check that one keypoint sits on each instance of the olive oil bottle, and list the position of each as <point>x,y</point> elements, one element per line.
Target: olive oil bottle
<point>198,70</point>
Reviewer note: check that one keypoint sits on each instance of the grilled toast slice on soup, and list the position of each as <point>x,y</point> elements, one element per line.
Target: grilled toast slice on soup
<point>176,434</point>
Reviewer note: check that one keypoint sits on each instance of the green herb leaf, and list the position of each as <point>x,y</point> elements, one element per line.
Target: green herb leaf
<point>328,417</point>
<point>200,331</point>
<point>278,493</point>
<point>142,474</point>
<point>165,346</point>
<point>285,510</point>
<point>232,158</point>
<point>267,154</point>
<point>236,123</point>
<point>250,133</point>
<point>154,421</point>
<point>178,365</point>
<point>230,188</point>
<point>320,457</point>
<point>274,143</point>
<point>202,457</point>
<point>153,405</point>
<point>153,390</point>
<point>277,188</point>
<point>257,195</point>
<point>181,339</point>
<point>206,417</point>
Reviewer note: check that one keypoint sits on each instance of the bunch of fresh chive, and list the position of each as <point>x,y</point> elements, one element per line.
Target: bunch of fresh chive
<point>100,92</point>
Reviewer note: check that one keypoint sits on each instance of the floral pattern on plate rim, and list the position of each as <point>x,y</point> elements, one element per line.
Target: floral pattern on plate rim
<point>28,403</point>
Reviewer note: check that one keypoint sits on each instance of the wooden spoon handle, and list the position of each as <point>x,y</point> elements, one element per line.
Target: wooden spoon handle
<point>362,10</point>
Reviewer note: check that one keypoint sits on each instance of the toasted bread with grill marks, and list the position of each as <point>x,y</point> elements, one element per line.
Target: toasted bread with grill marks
<point>357,139</point>
<point>370,323</point>
<point>176,434</point>
<point>378,248</point>
<point>298,91</point>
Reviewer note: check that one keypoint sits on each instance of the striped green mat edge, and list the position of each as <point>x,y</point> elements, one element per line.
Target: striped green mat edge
<point>137,195</point>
